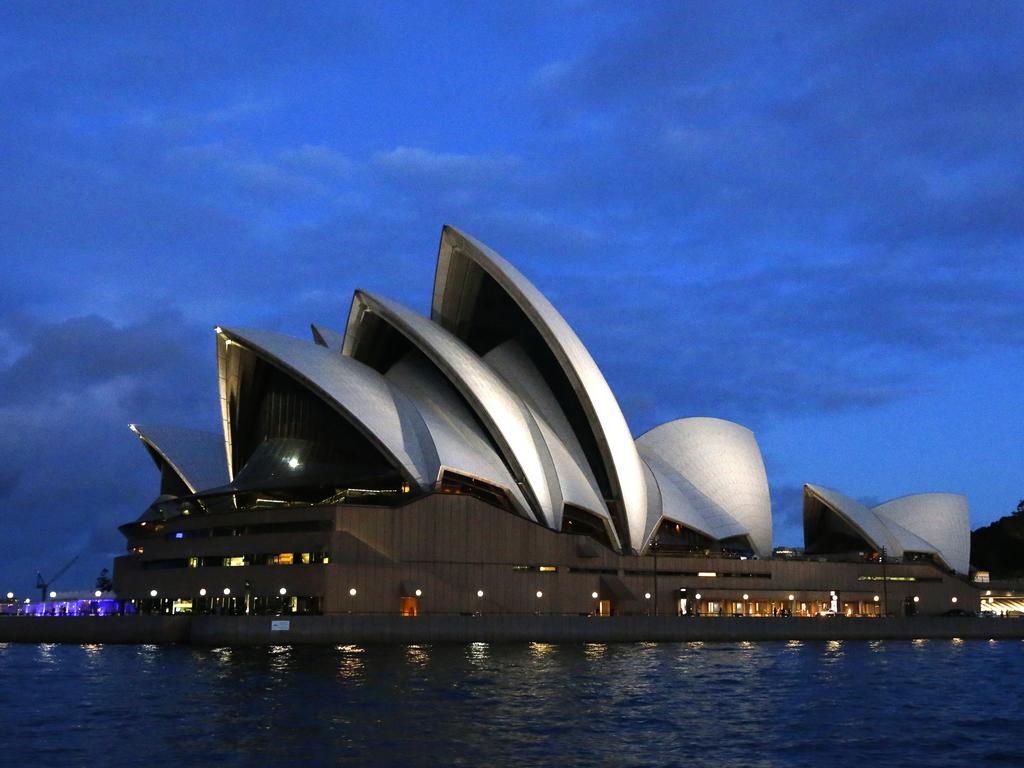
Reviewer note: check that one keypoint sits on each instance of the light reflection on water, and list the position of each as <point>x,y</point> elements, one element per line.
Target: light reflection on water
<point>696,704</point>
<point>417,655</point>
<point>594,650</point>
<point>478,652</point>
<point>350,666</point>
<point>279,659</point>
<point>541,649</point>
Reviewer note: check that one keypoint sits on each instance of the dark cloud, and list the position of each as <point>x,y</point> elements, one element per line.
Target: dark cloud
<point>8,481</point>
<point>69,357</point>
<point>788,515</point>
<point>72,470</point>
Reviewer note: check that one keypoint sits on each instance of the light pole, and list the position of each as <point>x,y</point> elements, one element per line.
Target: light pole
<point>654,546</point>
<point>885,587</point>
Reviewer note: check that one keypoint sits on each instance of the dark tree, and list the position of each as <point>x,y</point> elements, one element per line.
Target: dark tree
<point>999,547</point>
<point>103,582</point>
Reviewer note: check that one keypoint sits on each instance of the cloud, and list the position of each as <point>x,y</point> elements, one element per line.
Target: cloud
<point>452,168</point>
<point>316,159</point>
<point>68,357</point>
<point>745,212</point>
<point>72,470</point>
<point>285,178</point>
<point>787,515</point>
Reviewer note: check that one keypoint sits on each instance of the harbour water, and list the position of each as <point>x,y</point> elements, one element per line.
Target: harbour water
<point>840,703</point>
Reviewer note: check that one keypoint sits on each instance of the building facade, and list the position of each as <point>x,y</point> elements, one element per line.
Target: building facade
<point>476,461</point>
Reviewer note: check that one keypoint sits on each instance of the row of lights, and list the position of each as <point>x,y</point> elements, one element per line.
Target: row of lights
<point>227,591</point>
<point>419,593</point>
<point>647,595</point>
<point>10,595</point>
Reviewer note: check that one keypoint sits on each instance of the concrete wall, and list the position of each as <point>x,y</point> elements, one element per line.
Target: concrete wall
<point>228,630</point>
<point>95,629</point>
<point>453,546</point>
<point>331,630</point>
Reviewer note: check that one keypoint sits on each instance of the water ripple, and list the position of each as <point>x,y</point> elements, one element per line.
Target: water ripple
<point>935,703</point>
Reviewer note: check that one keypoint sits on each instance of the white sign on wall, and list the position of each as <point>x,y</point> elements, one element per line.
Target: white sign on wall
<point>280,625</point>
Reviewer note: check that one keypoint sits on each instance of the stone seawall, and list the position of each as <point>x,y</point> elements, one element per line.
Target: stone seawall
<point>95,629</point>
<point>241,630</point>
<point>363,629</point>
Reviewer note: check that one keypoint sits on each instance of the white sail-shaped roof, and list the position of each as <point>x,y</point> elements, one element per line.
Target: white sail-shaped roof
<point>576,484</point>
<point>942,521</point>
<point>461,443</point>
<point>579,487</point>
<point>909,541</point>
<point>195,456</point>
<point>712,478</point>
<point>681,502</point>
<point>362,396</point>
<point>861,518</point>
<point>654,505</point>
<point>327,337</point>
<point>461,265</point>
<point>931,523</point>
<point>507,419</point>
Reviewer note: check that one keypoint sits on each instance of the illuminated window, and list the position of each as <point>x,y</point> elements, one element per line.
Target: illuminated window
<point>547,568</point>
<point>307,558</point>
<point>234,561</point>
<point>193,562</point>
<point>408,606</point>
<point>285,558</point>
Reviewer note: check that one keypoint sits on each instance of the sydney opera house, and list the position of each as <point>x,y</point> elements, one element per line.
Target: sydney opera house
<point>477,462</point>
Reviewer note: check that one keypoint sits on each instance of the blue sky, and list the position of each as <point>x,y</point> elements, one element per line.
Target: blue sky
<point>807,218</point>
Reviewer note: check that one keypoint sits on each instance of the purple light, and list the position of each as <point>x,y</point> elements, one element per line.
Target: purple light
<point>179,535</point>
<point>104,607</point>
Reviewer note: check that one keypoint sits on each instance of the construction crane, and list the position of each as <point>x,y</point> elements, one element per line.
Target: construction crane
<point>43,585</point>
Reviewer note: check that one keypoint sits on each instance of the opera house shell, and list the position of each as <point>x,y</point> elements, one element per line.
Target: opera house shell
<point>481,437</point>
<point>493,392</point>
<point>933,525</point>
